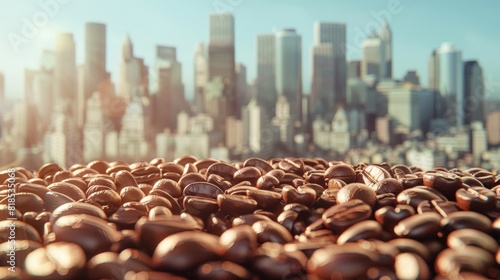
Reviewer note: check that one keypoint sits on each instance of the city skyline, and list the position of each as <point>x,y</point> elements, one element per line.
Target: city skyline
<point>359,20</point>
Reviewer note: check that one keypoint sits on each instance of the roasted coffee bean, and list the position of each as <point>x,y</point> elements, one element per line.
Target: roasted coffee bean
<point>411,266</point>
<point>225,270</point>
<point>58,260</point>
<point>170,167</point>
<point>203,189</point>
<point>175,253</point>
<point>77,208</point>
<point>249,219</point>
<point>451,261</point>
<point>273,262</point>
<point>249,173</point>
<point>151,201</point>
<point>372,174</point>
<point>96,188</point>
<point>109,200</point>
<point>99,166</point>
<point>145,188</point>
<point>128,194</point>
<point>106,266</point>
<point>267,182</point>
<point>406,245</point>
<point>123,179</point>
<point>422,226</point>
<point>200,206</point>
<point>159,212</point>
<point>236,205</point>
<point>341,216</point>
<point>362,230</point>
<point>386,199</point>
<point>169,186</point>
<point>19,250</point>
<point>25,202</point>
<point>269,231</point>
<point>257,162</point>
<point>68,189</point>
<point>348,261</point>
<point>49,169</point>
<point>461,238</point>
<point>53,200</point>
<point>238,244</point>
<point>443,208</point>
<point>415,195</point>
<point>476,199</point>
<point>387,185</point>
<point>445,183</point>
<point>32,188</point>
<point>92,234</point>
<point>6,212</point>
<point>302,194</point>
<point>265,199</point>
<point>342,172</point>
<point>389,216</point>
<point>357,191</point>
<point>125,218</point>
<point>466,219</point>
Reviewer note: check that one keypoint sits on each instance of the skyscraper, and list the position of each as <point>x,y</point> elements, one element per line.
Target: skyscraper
<point>221,57</point>
<point>133,81</point>
<point>266,71</point>
<point>322,90</point>
<point>200,77</point>
<point>2,89</point>
<point>334,34</point>
<point>373,61</point>
<point>65,87</point>
<point>95,56</point>
<point>386,37</point>
<point>474,103</point>
<point>168,88</point>
<point>242,87</point>
<point>289,70</point>
<point>450,82</point>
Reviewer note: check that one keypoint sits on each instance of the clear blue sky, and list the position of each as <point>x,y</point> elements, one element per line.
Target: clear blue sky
<point>419,27</point>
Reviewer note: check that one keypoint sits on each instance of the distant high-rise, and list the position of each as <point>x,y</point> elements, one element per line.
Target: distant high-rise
<point>133,80</point>
<point>373,61</point>
<point>354,69</point>
<point>169,90</point>
<point>334,34</point>
<point>95,56</point>
<point>255,126</point>
<point>386,37</point>
<point>433,70</point>
<point>289,70</point>
<point>266,71</point>
<point>65,82</point>
<point>474,103</point>
<point>200,77</point>
<point>412,78</point>
<point>93,131</point>
<point>221,57</point>
<point>2,88</point>
<point>450,82</point>
<point>242,87</point>
<point>322,90</point>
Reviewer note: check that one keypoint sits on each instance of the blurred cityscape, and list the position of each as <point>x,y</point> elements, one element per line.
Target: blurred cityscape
<point>356,110</point>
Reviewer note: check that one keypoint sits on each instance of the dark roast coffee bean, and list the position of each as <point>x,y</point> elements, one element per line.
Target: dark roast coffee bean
<point>200,206</point>
<point>342,172</point>
<point>109,200</point>
<point>389,216</point>
<point>77,208</point>
<point>249,219</point>
<point>302,194</point>
<point>16,252</point>
<point>372,174</point>
<point>469,258</point>
<point>257,162</point>
<point>106,266</point>
<point>461,238</point>
<point>175,253</point>
<point>273,262</point>
<point>445,183</point>
<point>58,260</point>
<point>265,199</point>
<point>249,173</point>
<point>128,194</point>
<point>25,202</point>
<point>203,189</point>
<point>387,185</point>
<point>92,234</point>
<point>225,270</point>
<point>348,261</point>
<point>236,205</point>
<point>269,231</point>
<point>170,186</point>
<point>125,218</point>
<point>405,245</point>
<point>422,226</point>
<point>466,219</point>
<point>357,191</point>
<point>362,230</point>
<point>238,243</point>
<point>476,199</point>
<point>53,200</point>
<point>17,230</point>
<point>341,216</point>
<point>411,266</point>
<point>415,195</point>
<point>443,208</point>
<point>386,199</point>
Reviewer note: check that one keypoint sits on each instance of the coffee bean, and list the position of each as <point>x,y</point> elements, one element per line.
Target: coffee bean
<point>473,259</point>
<point>415,195</point>
<point>129,194</point>
<point>269,231</point>
<point>357,191</point>
<point>238,243</point>
<point>443,208</point>
<point>52,200</point>
<point>77,208</point>
<point>25,202</point>
<point>411,266</point>
<point>362,230</point>
<point>106,266</point>
<point>109,200</point>
<point>58,260</point>
<point>200,206</point>
<point>341,216</point>
<point>126,218</point>
<point>387,185</point>
<point>170,186</point>
<point>406,245</point>
<point>175,252</point>
<point>123,179</point>
<point>273,262</point>
<point>461,238</point>
<point>445,183</point>
<point>203,189</point>
<point>265,199</point>
<point>236,205</point>
<point>68,189</point>
<point>302,194</point>
<point>222,270</point>
<point>342,172</point>
<point>257,162</point>
<point>476,199</point>
<point>422,226</point>
<point>21,249</point>
<point>389,216</point>
<point>466,219</point>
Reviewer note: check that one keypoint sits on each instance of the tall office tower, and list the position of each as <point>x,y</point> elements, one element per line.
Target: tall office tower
<point>255,125</point>
<point>266,71</point>
<point>65,86</point>
<point>221,58</point>
<point>433,70</point>
<point>474,99</point>
<point>200,77</point>
<point>354,69</point>
<point>283,121</point>
<point>242,87</point>
<point>451,82</point>
<point>386,38</point>
<point>168,88</point>
<point>289,70</point>
<point>322,90</point>
<point>95,56</point>
<point>61,142</point>
<point>93,131</point>
<point>373,62</point>
<point>340,137</point>
<point>132,139</point>
<point>334,34</point>
<point>133,81</point>
<point>2,88</point>
<point>492,125</point>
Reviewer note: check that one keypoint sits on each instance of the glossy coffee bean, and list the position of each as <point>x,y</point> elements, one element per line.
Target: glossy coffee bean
<point>269,231</point>
<point>25,202</point>
<point>52,200</point>
<point>342,172</point>
<point>372,174</point>
<point>125,218</point>
<point>109,200</point>
<point>302,194</point>
<point>443,208</point>
<point>238,244</point>
<point>203,189</point>
<point>357,191</point>
<point>348,261</point>
<point>466,219</point>
<point>387,185</point>
<point>68,189</point>
<point>469,258</point>
<point>362,230</point>
<point>200,206</point>
<point>77,208</point>
<point>236,205</point>
<point>411,266</point>
<point>476,199</point>
<point>415,195</point>
<point>60,260</point>
<point>92,234</point>
<point>17,230</point>
<point>445,183</point>
<point>225,270</point>
<point>175,252</point>
<point>389,216</point>
<point>341,216</point>
<point>106,266</point>
<point>273,262</point>
<point>128,194</point>
<point>405,245</point>
<point>422,226</point>
<point>461,238</point>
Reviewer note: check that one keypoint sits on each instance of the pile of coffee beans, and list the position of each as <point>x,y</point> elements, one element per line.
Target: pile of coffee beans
<point>284,218</point>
